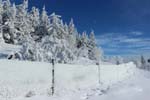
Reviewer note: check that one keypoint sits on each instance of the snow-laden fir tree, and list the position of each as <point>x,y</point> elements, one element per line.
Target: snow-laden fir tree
<point>55,44</point>
<point>83,49</point>
<point>34,17</point>
<point>1,26</point>
<point>42,36</point>
<point>143,62</point>
<point>94,52</point>
<point>72,34</point>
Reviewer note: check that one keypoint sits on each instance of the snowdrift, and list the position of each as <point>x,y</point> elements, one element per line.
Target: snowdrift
<point>8,49</point>
<point>17,78</point>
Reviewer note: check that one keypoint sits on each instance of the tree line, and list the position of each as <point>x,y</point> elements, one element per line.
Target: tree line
<point>42,36</point>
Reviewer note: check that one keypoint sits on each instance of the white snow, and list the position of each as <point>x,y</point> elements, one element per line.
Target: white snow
<point>134,88</point>
<point>7,49</point>
<point>73,82</point>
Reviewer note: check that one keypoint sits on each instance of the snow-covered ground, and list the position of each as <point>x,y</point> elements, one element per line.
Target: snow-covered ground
<point>73,82</point>
<point>8,49</point>
<point>134,88</point>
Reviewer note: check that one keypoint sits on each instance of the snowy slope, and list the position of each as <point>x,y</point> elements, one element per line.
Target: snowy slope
<point>18,78</point>
<point>134,88</point>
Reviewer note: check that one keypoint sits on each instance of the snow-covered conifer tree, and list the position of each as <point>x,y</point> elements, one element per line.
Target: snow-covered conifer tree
<point>44,18</point>
<point>1,26</point>
<point>71,27</point>
<point>72,35</point>
<point>25,4</point>
<point>66,29</point>
<point>143,62</point>
<point>56,24</point>
<point>94,51</point>
<point>92,40</point>
<point>83,50</point>
<point>30,50</point>
<point>1,34</point>
<point>13,11</point>
<point>41,30</point>
<point>35,17</point>
<point>1,7</point>
<point>44,36</point>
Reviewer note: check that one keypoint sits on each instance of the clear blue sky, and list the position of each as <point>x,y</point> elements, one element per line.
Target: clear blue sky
<point>121,26</point>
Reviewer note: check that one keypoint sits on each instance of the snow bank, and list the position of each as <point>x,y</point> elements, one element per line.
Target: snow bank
<point>17,78</point>
<point>8,49</point>
<point>111,74</point>
<point>134,88</point>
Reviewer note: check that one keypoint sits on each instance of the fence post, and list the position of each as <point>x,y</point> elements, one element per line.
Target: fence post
<point>99,79</point>
<point>53,77</point>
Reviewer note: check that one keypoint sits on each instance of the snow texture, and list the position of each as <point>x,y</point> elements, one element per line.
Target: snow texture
<point>21,80</point>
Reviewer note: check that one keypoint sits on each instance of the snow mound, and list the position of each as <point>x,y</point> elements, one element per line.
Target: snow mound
<point>8,49</point>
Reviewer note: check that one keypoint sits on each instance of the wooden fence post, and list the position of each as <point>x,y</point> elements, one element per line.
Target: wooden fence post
<point>53,77</point>
<point>99,74</point>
